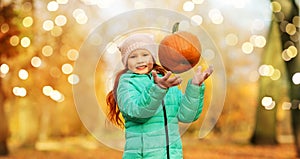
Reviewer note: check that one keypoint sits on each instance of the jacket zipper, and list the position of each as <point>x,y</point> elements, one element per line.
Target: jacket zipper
<point>166,125</point>
<point>166,129</point>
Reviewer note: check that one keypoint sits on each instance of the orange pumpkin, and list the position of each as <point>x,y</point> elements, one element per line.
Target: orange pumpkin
<point>180,51</point>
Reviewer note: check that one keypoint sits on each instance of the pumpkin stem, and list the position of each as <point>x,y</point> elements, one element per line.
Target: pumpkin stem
<point>175,27</point>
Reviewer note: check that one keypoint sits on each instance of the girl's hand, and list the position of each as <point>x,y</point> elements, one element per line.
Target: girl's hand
<point>166,81</point>
<point>200,76</point>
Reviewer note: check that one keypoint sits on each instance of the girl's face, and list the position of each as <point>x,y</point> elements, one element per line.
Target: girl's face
<point>140,61</point>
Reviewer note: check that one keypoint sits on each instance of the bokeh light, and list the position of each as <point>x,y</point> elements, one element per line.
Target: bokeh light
<point>19,91</point>
<point>247,47</point>
<point>296,78</point>
<point>47,50</point>
<point>286,106</point>
<point>57,96</point>
<point>231,39</point>
<point>52,6</point>
<point>290,29</point>
<point>27,6</point>
<point>296,21</point>
<point>188,6</point>
<point>198,1</point>
<point>4,28</point>
<point>80,16</point>
<point>60,20</point>
<point>27,22</point>
<point>266,70</point>
<point>258,41</point>
<point>268,102</point>
<point>25,42</point>
<point>67,68</point>
<point>47,90</point>
<point>36,61</point>
<point>4,68</point>
<point>276,75</point>
<point>276,7</point>
<point>62,1</point>
<point>216,16</point>
<point>23,74</point>
<point>196,20</point>
<point>73,54</point>
<point>14,40</point>
<point>73,79</point>
<point>48,25</point>
<point>56,31</point>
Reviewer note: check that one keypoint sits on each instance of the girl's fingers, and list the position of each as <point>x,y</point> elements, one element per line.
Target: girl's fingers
<point>167,76</point>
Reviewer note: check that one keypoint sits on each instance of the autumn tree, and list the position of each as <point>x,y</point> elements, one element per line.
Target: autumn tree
<point>283,44</point>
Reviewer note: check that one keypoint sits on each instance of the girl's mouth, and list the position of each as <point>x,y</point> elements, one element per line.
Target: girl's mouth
<point>141,67</point>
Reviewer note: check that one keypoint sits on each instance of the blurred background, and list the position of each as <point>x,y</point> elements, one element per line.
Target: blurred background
<point>257,40</point>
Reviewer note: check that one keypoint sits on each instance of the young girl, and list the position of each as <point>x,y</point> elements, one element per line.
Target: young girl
<point>151,106</point>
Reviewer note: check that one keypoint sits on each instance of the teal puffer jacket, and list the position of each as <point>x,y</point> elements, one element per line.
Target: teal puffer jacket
<point>152,114</point>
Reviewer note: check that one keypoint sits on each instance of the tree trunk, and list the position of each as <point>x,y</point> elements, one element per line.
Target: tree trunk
<point>291,10</point>
<point>3,125</point>
<point>265,126</point>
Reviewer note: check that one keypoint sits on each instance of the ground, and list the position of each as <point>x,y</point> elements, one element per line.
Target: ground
<point>193,148</point>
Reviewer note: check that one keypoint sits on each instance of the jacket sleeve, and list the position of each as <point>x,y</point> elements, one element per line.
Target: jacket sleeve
<point>136,105</point>
<point>191,103</point>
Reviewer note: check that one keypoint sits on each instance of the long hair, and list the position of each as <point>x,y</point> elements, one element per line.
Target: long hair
<point>114,114</point>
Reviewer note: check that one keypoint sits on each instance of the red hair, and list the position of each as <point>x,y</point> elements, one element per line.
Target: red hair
<point>114,114</point>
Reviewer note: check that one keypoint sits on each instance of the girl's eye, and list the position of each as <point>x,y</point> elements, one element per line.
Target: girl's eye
<point>145,54</point>
<point>133,56</point>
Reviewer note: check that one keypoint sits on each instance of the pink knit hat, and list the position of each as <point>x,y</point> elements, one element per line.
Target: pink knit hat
<point>137,41</point>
